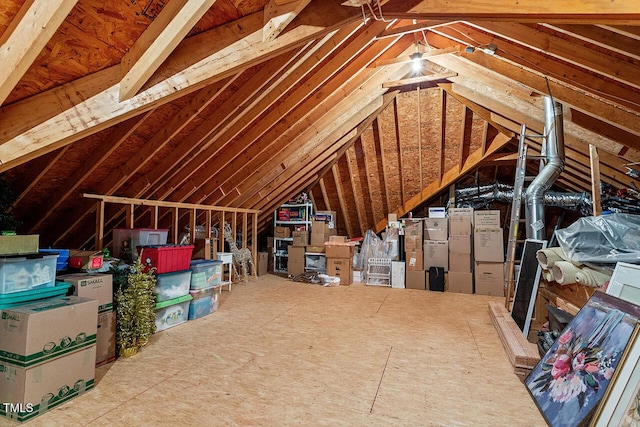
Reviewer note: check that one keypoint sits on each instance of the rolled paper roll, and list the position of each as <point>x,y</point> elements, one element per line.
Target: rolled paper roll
<point>564,272</point>
<point>548,257</point>
<point>547,275</point>
<point>593,278</point>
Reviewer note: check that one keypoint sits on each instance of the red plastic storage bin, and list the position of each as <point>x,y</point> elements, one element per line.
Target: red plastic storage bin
<point>166,258</point>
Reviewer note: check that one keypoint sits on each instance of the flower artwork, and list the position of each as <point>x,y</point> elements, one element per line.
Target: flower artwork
<point>571,378</point>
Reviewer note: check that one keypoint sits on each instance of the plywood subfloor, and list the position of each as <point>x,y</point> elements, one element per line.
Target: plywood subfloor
<point>283,353</point>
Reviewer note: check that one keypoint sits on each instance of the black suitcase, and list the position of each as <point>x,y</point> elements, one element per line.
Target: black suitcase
<point>436,279</point>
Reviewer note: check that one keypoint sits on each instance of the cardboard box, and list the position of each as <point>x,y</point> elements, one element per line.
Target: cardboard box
<point>338,239</point>
<point>435,229</point>
<point>437,212</point>
<point>296,260</point>
<point>300,238</point>
<point>460,244</point>
<point>34,390</point>
<point>460,282</point>
<point>459,225</point>
<point>413,229</point>
<point>415,280</point>
<point>316,249</point>
<point>205,249</point>
<point>282,232</point>
<point>106,338</point>
<point>397,274</point>
<point>460,263</point>
<point>486,219</point>
<point>20,244</point>
<point>461,212</point>
<point>95,286</point>
<point>263,263</point>
<point>320,233</point>
<point>342,268</point>
<point>488,244</point>
<point>392,217</point>
<point>412,243</point>
<point>436,254</point>
<point>414,261</point>
<point>339,251</point>
<point>489,278</point>
<point>35,333</point>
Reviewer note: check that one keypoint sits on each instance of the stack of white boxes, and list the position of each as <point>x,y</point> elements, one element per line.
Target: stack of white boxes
<point>488,246</point>
<point>436,244</point>
<point>460,277</point>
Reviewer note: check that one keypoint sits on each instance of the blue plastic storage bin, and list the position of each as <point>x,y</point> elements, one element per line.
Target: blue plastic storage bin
<point>202,302</point>
<point>206,273</point>
<point>63,257</point>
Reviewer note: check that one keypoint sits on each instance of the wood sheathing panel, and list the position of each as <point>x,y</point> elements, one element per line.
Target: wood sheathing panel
<point>359,176</point>
<point>388,134</point>
<point>431,118</point>
<point>453,133</point>
<point>377,206</point>
<point>409,149</point>
<point>347,205</point>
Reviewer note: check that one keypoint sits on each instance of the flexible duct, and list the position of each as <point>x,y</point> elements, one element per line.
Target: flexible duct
<point>534,198</point>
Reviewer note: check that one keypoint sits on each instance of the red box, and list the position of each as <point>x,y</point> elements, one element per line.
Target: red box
<point>166,258</point>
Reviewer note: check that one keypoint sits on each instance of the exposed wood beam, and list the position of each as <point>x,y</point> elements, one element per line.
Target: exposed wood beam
<point>351,159</point>
<point>69,188</point>
<point>589,98</point>
<point>440,142</point>
<point>566,50</point>
<point>54,118</point>
<point>595,125</point>
<point>602,37</point>
<point>259,106</point>
<point>586,11</point>
<point>420,79</point>
<point>595,180</point>
<point>425,55</point>
<point>296,107</point>
<point>339,193</point>
<point>414,28</point>
<point>278,15</point>
<point>26,36</point>
<point>157,42</point>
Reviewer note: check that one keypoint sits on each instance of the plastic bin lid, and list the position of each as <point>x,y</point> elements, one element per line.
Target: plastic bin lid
<point>24,257</point>
<point>204,262</point>
<point>168,245</point>
<point>202,290</point>
<point>174,301</point>
<point>23,297</point>
<point>173,273</point>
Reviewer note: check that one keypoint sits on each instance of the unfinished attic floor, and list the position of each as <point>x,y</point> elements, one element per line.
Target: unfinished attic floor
<point>282,353</point>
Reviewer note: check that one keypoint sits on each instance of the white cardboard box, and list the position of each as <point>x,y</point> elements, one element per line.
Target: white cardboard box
<point>437,212</point>
<point>397,274</point>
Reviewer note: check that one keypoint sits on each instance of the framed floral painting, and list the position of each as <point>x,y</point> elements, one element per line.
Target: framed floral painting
<point>620,405</point>
<point>571,378</point>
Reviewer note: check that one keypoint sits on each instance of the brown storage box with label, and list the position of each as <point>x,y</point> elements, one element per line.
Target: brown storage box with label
<point>412,243</point>
<point>436,254</point>
<point>488,245</point>
<point>435,229</point>
<point>95,286</point>
<point>459,225</point>
<point>342,268</point>
<point>460,244</point>
<point>414,261</point>
<point>489,278</point>
<point>460,263</point>
<point>486,219</point>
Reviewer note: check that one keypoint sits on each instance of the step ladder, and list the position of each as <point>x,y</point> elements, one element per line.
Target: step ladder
<point>516,206</point>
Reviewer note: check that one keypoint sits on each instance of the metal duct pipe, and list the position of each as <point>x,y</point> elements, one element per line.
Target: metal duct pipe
<point>534,199</point>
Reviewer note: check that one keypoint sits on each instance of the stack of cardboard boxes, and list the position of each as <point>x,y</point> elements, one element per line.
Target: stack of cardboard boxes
<point>100,288</point>
<point>340,259</point>
<point>436,245</point>
<point>460,277</point>
<point>488,244</point>
<point>414,258</point>
<point>47,354</point>
<point>309,247</point>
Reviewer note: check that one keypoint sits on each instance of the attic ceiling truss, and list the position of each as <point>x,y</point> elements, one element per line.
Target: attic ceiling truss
<point>246,105</point>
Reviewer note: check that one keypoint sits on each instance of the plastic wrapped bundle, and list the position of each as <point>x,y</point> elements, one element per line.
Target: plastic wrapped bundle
<point>602,239</point>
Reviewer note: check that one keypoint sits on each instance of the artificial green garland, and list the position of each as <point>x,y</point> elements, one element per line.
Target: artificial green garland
<point>136,310</point>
